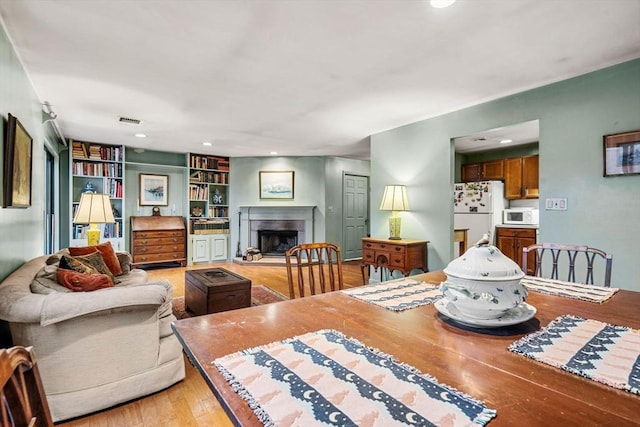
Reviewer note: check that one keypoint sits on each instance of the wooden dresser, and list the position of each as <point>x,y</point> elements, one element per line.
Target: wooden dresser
<point>403,255</point>
<point>158,239</point>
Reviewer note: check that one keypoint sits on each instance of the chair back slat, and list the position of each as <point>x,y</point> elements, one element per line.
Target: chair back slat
<point>318,269</point>
<point>561,253</point>
<point>22,399</point>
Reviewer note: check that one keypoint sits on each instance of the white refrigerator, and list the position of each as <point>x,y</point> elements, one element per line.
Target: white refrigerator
<point>478,206</point>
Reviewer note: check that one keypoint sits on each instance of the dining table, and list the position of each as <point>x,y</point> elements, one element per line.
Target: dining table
<point>473,360</point>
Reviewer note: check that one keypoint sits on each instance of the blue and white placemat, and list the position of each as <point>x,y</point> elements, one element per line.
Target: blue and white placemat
<point>325,379</point>
<point>397,295</point>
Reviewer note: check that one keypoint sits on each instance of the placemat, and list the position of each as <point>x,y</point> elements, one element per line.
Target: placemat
<point>580,291</point>
<point>397,295</point>
<point>324,378</point>
<point>596,350</point>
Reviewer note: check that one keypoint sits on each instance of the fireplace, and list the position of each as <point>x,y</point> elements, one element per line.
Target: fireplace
<point>275,237</point>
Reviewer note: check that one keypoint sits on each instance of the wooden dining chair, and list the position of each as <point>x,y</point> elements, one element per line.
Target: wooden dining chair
<point>570,261</point>
<point>22,399</point>
<point>314,268</point>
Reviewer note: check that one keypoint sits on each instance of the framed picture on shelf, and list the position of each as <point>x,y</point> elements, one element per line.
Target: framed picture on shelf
<point>276,184</point>
<point>154,190</point>
<point>17,165</point>
<point>622,153</point>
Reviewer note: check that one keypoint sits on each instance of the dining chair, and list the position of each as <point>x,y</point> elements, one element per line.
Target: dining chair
<point>319,263</point>
<point>571,262</point>
<point>22,399</point>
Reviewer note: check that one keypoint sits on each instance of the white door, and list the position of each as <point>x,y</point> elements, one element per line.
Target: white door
<point>355,214</point>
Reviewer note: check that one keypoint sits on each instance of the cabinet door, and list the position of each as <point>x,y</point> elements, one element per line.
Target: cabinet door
<point>507,245</point>
<point>523,242</point>
<point>471,172</point>
<point>218,247</point>
<point>493,170</point>
<point>530,186</point>
<point>513,178</point>
<point>200,248</point>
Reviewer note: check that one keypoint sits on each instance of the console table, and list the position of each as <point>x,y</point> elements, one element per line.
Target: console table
<point>403,255</point>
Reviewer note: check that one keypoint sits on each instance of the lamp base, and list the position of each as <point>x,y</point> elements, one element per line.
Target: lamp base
<point>394,227</point>
<point>93,235</point>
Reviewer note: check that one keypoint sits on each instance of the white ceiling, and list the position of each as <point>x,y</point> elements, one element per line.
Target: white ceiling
<point>492,139</point>
<point>309,77</point>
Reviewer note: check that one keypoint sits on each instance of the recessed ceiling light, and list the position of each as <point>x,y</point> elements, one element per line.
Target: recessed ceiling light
<point>506,141</point>
<point>274,153</point>
<point>140,135</point>
<point>207,144</point>
<point>439,4</point>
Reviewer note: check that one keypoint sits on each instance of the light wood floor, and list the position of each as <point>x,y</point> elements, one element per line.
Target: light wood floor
<point>190,402</point>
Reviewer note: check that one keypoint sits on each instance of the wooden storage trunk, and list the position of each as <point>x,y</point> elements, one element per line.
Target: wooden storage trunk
<point>215,289</point>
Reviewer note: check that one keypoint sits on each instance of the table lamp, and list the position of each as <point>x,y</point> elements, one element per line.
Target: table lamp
<point>394,199</point>
<point>94,209</point>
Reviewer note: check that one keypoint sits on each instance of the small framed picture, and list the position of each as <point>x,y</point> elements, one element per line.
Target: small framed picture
<point>154,190</point>
<point>622,153</point>
<point>276,184</point>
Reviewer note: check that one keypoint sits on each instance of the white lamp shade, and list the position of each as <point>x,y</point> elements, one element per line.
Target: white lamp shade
<point>394,198</point>
<point>94,209</point>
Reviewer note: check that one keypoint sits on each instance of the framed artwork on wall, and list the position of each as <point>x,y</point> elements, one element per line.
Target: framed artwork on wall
<point>276,184</point>
<point>17,165</point>
<point>622,153</point>
<point>154,190</point>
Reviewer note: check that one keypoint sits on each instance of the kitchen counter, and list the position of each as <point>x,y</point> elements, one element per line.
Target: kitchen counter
<point>534,226</point>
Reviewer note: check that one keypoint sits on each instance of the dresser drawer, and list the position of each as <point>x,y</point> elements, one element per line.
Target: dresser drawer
<point>389,257</point>
<point>156,234</point>
<point>157,249</point>
<point>384,247</point>
<point>157,241</point>
<point>167,256</point>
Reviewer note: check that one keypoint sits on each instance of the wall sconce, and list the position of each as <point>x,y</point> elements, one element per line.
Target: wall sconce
<point>94,209</point>
<point>395,200</point>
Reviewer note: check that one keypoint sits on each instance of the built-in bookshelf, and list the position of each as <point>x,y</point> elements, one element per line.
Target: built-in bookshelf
<point>99,168</point>
<point>208,194</point>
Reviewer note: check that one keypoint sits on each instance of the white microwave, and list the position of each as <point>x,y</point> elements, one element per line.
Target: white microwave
<point>521,216</point>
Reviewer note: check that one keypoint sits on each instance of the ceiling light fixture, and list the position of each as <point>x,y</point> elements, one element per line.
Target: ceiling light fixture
<point>274,153</point>
<point>506,141</point>
<point>439,4</point>
<point>207,144</point>
<point>140,135</point>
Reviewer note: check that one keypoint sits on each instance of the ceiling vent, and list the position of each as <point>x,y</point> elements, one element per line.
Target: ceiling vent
<point>129,120</point>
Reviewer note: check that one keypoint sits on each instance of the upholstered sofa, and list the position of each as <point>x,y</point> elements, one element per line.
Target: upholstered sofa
<point>95,349</point>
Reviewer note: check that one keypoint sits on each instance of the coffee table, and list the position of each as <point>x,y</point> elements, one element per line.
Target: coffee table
<point>213,290</point>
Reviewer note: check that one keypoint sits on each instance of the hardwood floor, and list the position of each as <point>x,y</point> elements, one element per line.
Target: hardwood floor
<point>190,402</point>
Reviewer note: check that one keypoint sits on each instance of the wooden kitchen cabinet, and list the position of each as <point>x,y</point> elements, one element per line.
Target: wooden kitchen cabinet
<point>485,171</point>
<point>521,178</point>
<point>510,241</point>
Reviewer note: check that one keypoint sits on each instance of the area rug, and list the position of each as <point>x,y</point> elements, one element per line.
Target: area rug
<point>579,291</point>
<point>596,350</point>
<point>323,378</point>
<point>260,294</point>
<point>397,295</point>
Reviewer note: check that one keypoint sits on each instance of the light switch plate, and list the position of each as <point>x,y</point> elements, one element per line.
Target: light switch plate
<point>557,204</point>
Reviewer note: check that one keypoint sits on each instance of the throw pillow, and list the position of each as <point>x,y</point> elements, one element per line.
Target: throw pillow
<point>108,253</point>
<point>96,261</point>
<point>81,282</point>
<point>71,263</point>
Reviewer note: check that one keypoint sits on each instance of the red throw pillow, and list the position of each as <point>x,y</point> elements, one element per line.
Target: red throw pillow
<point>81,282</point>
<point>107,252</point>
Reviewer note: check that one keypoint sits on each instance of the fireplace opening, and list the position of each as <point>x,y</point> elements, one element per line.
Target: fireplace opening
<point>276,242</point>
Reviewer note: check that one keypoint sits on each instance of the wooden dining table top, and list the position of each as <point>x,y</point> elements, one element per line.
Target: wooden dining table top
<point>474,361</point>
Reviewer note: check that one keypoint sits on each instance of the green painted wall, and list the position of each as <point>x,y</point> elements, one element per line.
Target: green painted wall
<point>574,115</point>
<point>21,229</point>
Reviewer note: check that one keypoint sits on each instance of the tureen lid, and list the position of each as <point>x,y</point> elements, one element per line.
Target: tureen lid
<point>484,262</point>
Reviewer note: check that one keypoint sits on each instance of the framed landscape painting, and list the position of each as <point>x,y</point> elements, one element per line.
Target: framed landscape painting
<point>276,185</point>
<point>17,165</point>
<point>622,153</point>
<point>153,190</point>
